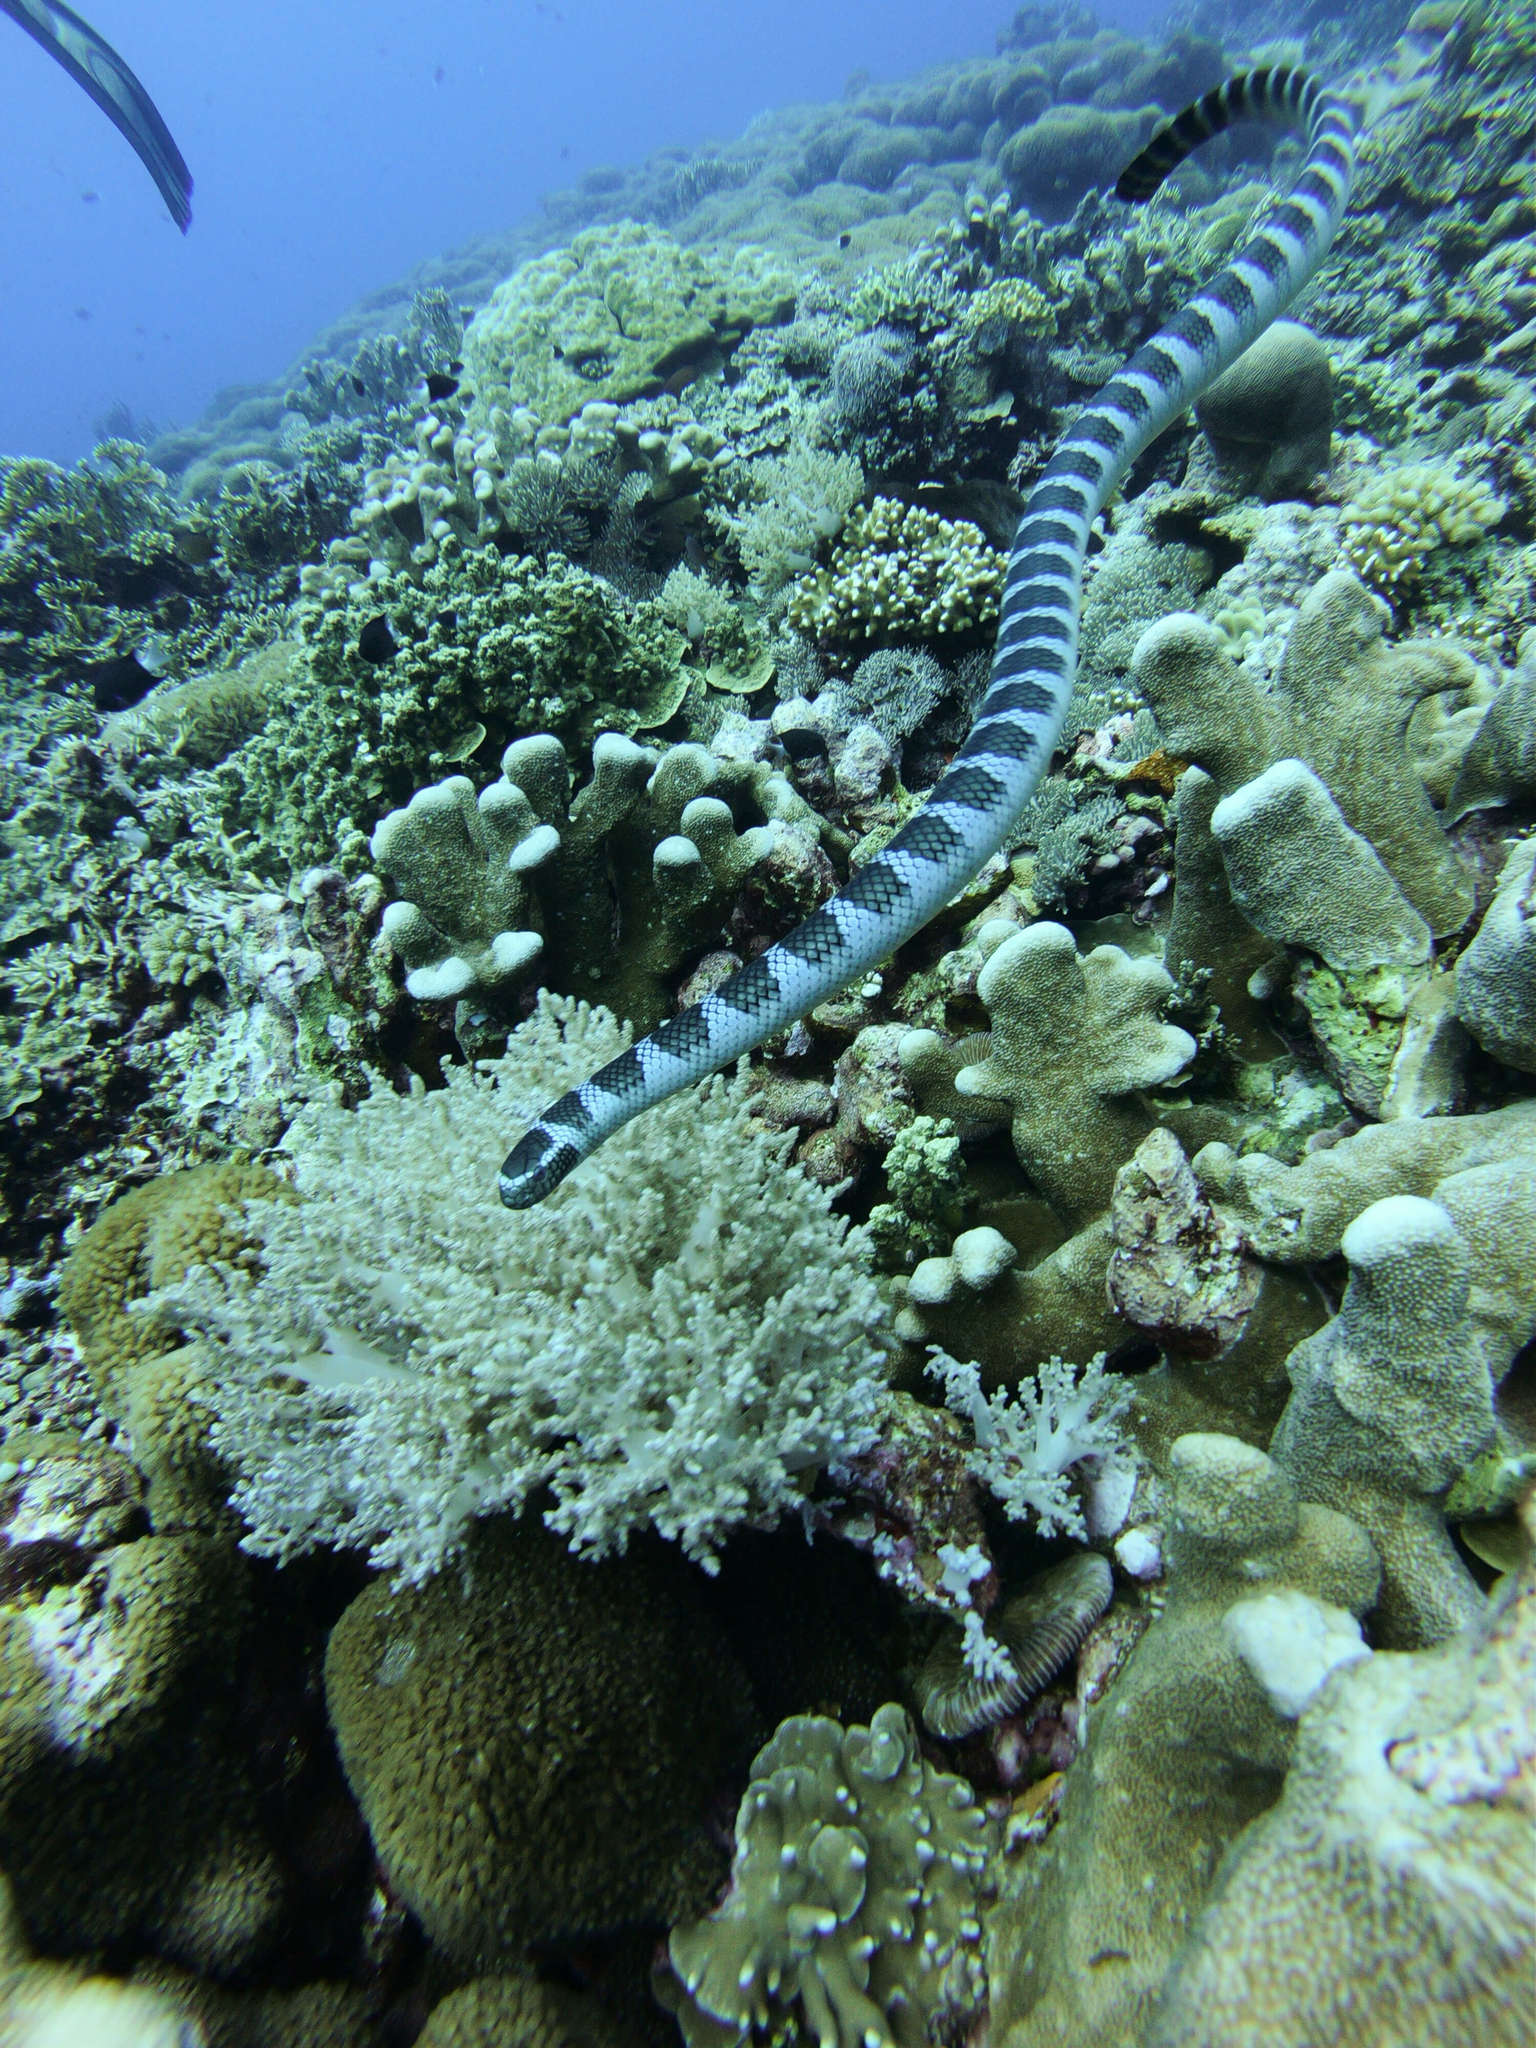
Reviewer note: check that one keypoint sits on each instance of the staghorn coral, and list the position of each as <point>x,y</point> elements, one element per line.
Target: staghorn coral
<point>853,1908</point>
<point>488,1725</point>
<point>655,1360</point>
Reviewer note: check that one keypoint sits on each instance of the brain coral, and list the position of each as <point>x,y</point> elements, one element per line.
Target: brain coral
<point>852,1915</point>
<point>490,1726</point>
<point>675,1341</point>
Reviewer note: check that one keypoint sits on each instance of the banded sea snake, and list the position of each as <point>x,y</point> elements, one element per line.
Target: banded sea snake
<point>971,811</point>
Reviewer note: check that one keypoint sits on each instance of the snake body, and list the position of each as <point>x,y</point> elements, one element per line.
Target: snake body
<point>972,810</point>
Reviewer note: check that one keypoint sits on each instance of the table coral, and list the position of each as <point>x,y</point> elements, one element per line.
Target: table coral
<point>853,1908</point>
<point>489,1725</point>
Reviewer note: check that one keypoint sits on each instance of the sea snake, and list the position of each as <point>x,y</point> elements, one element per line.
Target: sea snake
<point>971,811</point>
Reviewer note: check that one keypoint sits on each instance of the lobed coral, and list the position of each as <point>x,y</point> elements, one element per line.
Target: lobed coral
<point>637,870</point>
<point>853,1908</point>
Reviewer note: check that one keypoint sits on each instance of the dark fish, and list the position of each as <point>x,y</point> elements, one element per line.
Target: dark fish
<point>97,68</point>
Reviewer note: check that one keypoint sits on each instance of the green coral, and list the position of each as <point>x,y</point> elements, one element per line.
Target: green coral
<point>614,316</point>
<point>853,1914</point>
<point>490,1725</point>
<point>93,560</point>
<point>1396,520</point>
<point>476,652</point>
<point>901,572</point>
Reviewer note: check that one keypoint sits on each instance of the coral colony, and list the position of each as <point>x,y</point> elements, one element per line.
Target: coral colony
<point>1040,690</point>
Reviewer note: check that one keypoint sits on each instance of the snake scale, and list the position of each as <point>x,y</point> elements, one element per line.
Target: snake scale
<point>972,810</point>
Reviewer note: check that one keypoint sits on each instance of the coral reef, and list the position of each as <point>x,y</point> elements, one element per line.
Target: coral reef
<point>579,613</point>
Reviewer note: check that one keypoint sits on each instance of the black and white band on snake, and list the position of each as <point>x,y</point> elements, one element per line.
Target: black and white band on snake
<point>971,812</point>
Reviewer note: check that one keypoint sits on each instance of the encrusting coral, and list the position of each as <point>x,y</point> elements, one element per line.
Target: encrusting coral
<point>853,1912</point>
<point>653,1358</point>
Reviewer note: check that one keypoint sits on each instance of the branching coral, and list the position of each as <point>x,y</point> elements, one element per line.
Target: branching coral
<point>1398,518</point>
<point>901,572</point>
<point>675,1343</point>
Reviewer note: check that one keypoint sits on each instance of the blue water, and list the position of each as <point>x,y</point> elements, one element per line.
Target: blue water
<point>335,145</point>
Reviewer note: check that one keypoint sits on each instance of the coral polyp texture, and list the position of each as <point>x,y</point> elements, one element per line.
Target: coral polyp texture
<point>854,1907</point>
<point>855,605</point>
<point>394,1366</point>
